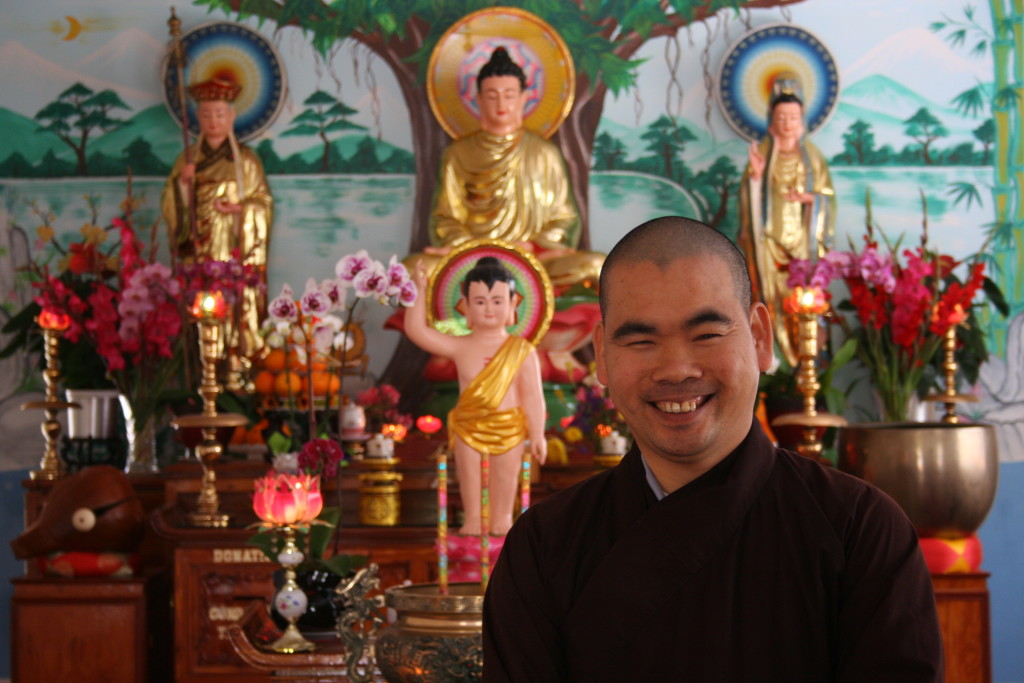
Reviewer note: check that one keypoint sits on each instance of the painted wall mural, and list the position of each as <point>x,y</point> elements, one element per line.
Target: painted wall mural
<point>930,100</point>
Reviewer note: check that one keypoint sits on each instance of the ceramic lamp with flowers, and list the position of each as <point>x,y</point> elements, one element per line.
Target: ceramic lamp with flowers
<point>284,502</point>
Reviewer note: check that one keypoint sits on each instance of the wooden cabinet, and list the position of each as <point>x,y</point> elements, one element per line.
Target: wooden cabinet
<point>963,605</point>
<point>85,630</point>
<point>217,578</point>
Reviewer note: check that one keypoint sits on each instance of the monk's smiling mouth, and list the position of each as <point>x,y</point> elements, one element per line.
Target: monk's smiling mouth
<point>677,407</point>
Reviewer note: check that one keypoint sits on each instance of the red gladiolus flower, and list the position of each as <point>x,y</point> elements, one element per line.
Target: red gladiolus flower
<point>282,498</point>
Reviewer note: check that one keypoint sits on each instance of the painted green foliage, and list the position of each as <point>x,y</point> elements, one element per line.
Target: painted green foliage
<point>324,114</point>
<point>1004,98</point>
<point>78,112</point>
<point>711,191</point>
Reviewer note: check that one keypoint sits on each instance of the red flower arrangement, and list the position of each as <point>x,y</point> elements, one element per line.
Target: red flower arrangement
<point>125,305</point>
<point>381,406</point>
<point>904,309</point>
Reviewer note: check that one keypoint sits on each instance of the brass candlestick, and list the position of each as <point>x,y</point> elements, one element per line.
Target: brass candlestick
<point>50,467</point>
<point>207,311</point>
<point>807,382</point>
<point>950,397</point>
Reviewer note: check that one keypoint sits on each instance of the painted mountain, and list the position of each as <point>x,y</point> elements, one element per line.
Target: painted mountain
<point>24,136</point>
<point>877,100</point>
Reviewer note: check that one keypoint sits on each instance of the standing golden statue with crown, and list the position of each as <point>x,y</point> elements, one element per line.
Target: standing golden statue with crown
<point>233,208</point>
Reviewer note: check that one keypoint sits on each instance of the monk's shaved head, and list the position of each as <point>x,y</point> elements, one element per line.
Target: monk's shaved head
<point>664,240</point>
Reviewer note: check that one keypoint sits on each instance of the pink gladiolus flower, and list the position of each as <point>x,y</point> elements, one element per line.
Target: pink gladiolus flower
<point>282,498</point>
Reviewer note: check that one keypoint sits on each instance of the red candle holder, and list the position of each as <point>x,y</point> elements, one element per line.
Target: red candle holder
<point>209,306</point>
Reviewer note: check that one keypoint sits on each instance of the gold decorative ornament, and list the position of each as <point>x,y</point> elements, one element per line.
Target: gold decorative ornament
<point>50,466</point>
<point>537,307</point>
<point>210,320</point>
<point>950,398</point>
<point>807,382</point>
<point>468,44</point>
<point>379,493</point>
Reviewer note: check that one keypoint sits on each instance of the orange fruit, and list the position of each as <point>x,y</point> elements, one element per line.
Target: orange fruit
<point>264,382</point>
<point>238,436</point>
<point>255,433</point>
<point>323,382</point>
<point>293,361</point>
<point>287,383</point>
<point>274,360</point>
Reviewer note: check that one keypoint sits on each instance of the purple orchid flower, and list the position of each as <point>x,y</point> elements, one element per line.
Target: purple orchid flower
<point>348,267</point>
<point>314,301</point>
<point>371,281</point>
<point>283,307</point>
<point>408,293</point>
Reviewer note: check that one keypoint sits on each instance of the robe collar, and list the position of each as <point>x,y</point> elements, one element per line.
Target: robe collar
<point>661,544</point>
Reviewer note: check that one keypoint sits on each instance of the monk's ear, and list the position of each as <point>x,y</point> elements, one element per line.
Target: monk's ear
<point>761,331</point>
<point>513,311</point>
<point>599,360</point>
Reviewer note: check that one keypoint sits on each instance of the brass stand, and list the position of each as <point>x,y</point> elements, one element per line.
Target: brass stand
<point>50,467</point>
<point>208,513</point>
<point>950,397</point>
<point>379,489</point>
<point>807,382</point>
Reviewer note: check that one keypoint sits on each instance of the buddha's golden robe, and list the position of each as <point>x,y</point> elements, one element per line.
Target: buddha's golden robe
<point>219,233</point>
<point>515,188</point>
<point>773,229</point>
<point>476,419</point>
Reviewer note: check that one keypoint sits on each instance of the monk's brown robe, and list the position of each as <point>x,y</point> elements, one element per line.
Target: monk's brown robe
<point>767,568</point>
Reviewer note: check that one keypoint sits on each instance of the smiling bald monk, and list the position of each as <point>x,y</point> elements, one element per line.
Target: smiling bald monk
<point>708,554</point>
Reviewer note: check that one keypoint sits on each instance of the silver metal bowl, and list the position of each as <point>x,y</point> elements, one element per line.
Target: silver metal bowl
<point>944,476</point>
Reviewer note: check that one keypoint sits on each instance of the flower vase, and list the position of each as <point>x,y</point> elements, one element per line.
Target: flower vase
<point>140,430</point>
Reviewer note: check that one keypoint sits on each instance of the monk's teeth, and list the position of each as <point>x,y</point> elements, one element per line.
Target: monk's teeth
<point>674,407</point>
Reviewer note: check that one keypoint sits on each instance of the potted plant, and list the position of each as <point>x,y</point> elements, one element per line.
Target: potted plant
<point>905,302</point>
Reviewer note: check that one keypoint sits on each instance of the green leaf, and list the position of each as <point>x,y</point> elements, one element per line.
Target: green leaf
<point>268,542</point>
<point>964,192</point>
<point>995,295</point>
<point>300,131</point>
<point>344,564</point>
<point>279,443</point>
<point>970,102</point>
<point>320,534</point>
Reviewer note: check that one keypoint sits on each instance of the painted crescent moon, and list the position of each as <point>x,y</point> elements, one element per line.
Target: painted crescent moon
<point>74,28</point>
